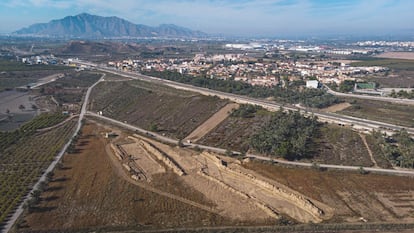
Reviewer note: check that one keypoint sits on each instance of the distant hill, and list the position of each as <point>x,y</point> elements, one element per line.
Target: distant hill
<point>92,26</point>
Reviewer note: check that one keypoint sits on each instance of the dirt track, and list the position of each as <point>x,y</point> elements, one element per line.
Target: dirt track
<point>211,123</point>
<point>371,155</point>
<point>337,107</point>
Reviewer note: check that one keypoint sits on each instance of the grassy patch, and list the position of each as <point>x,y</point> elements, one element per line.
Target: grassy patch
<point>381,111</point>
<point>350,194</point>
<point>377,152</point>
<point>340,145</point>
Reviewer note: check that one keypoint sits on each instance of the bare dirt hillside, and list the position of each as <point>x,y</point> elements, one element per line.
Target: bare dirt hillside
<point>88,192</point>
<point>353,196</point>
<point>131,182</point>
<point>237,193</point>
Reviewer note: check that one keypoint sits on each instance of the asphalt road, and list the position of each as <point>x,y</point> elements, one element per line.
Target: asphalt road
<point>369,97</point>
<point>52,166</point>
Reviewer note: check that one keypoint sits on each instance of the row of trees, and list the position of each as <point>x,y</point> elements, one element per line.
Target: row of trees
<point>293,93</point>
<point>26,154</point>
<point>402,94</point>
<point>42,121</point>
<point>288,134</point>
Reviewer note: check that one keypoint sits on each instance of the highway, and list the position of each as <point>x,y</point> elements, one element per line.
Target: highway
<point>258,157</point>
<point>52,166</point>
<point>370,97</point>
<point>357,123</point>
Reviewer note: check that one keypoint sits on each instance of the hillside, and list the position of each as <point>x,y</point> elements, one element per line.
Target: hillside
<point>92,26</point>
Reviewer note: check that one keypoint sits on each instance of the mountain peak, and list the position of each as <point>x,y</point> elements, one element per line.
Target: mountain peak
<point>85,25</point>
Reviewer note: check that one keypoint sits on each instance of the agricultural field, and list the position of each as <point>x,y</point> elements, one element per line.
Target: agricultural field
<point>153,107</point>
<point>401,72</point>
<point>25,154</point>
<point>234,132</point>
<point>381,111</point>
<point>71,88</point>
<point>82,79</point>
<point>15,74</point>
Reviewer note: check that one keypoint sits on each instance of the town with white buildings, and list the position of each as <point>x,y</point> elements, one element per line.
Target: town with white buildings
<point>240,67</point>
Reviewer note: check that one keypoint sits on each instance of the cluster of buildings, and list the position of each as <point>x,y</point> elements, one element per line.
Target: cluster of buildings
<point>37,60</point>
<point>333,72</point>
<point>317,49</point>
<point>406,44</point>
<point>240,67</point>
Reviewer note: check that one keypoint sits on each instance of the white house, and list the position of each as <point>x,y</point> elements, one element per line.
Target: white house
<point>312,84</point>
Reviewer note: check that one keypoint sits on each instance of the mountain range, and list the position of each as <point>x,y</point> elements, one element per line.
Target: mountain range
<point>92,26</point>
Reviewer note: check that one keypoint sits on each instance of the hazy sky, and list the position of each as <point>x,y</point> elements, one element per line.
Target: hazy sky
<point>228,17</point>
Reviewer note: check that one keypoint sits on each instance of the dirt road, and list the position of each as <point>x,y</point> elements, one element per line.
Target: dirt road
<point>364,140</point>
<point>211,123</point>
<point>52,166</point>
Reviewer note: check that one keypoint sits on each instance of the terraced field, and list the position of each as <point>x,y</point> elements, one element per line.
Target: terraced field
<point>157,108</point>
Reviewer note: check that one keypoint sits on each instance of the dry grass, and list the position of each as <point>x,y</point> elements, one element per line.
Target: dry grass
<point>173,112</point>
<point>381,111</point>
<point>397,55</point>
<point>352,195</point>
